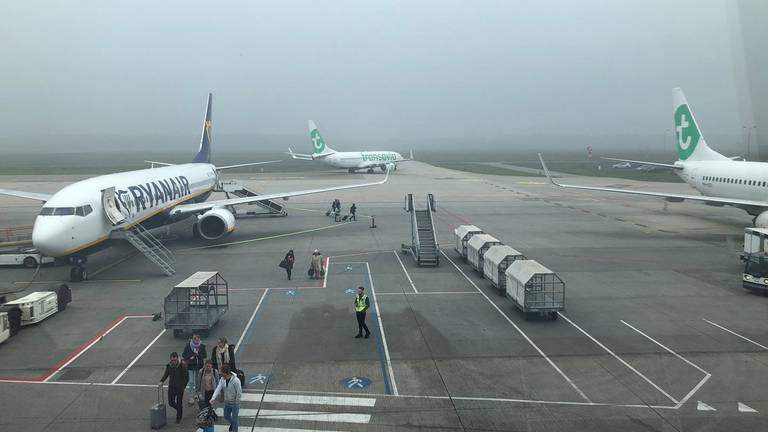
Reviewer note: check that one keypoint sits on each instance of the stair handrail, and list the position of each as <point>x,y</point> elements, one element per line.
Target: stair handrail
<point>154,242</point>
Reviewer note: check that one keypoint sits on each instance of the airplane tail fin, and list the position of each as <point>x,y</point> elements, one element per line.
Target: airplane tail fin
<point>204,154</point>
<point>318,143</point>
<point>689,140</point>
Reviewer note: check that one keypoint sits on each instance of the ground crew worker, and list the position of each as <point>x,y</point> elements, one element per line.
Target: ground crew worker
<point>352,212</point>
<point>361,305</point>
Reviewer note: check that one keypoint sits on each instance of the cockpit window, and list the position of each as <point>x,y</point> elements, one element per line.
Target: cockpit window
<point>66,211</point>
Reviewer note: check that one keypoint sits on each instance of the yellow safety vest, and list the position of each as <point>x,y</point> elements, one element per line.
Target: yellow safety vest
<point>360,303</point>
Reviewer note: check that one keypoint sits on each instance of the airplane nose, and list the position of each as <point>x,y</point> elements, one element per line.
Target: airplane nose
<point>46,237</point>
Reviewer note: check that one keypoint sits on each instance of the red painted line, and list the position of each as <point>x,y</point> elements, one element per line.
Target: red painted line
<point>74,353</point>
<point>456,216</point>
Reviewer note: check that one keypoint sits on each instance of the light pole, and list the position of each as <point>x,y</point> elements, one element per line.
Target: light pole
<point>749,135</point>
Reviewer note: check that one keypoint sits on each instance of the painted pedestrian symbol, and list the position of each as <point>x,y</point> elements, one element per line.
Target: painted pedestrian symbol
<point>290,293</point>
<point>348,269</point>
<point>349,291</point>
<point>355,382</point>
<point>259,379</point>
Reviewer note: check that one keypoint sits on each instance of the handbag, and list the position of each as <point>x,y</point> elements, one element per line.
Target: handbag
<point>322,272</point>
<point>311,272</point>
<point>283,263</point>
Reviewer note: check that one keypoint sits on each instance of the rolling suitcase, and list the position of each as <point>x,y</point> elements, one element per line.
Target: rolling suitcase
<point>157,412</point>
<point>240,376</point>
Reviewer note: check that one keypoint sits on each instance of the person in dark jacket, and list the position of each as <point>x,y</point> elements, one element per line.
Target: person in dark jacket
<point>223,354</point>
<point>176,373</point>
<point>352,212</point>
<point>194,356</point>
<point>361,306</point>
<point>289,260</point>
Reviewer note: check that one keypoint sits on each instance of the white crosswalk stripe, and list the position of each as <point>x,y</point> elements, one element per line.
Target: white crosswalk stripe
<point>285,407</point>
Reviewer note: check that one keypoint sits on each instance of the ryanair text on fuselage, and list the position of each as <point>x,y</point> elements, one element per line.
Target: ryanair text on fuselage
<point>142,196</point>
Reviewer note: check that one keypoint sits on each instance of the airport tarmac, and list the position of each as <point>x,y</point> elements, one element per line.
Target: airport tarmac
<point>657,333</point>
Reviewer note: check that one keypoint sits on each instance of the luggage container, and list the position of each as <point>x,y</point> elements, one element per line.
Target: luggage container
<point>5,327</point>
<point>13,314</point>
<point>36,306</point>
<point>462,235</point>
<point>535,289</point>
<point>495,262</point>
<point>476,247</point>
<point>196,304</point>
<point>755,275</point>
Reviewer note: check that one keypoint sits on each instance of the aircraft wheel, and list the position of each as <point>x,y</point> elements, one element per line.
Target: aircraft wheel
<point>370,170</point>
<point>30,262</point>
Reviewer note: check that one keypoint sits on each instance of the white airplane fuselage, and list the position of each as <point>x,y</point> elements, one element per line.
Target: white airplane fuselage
<point>361,159</point>
<point>727,179</point>
<point>65,225</point>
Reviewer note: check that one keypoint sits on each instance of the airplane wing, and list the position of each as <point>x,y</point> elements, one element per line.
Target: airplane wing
<point>203,206</point>
<point>28,195</point>
<point>218,168</point>
<point>716,201</point>
<point>663,165</point>
<point>299,155</point>
<point>153,163</point>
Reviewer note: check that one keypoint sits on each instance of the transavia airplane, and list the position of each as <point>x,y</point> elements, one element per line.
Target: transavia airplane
<point>721,180</point>
<point>352,161</point>
<point>88,215</point>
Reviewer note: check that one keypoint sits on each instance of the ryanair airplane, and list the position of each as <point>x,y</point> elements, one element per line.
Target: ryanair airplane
<point>84,217</point>
<point>351,161</point>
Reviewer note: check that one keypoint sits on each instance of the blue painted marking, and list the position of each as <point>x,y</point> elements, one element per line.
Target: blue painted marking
<point>349,291</point>
<point>249,330</point>
<point>355,382</point>
<point>290,293</point>
<point>260,378</point>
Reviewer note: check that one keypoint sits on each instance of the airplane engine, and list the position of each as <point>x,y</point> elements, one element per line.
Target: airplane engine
<point>761,221</point>
<point>215,224</point>
<point>389,167</point>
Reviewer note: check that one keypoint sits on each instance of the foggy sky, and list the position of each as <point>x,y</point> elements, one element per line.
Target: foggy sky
<point>364,70</point>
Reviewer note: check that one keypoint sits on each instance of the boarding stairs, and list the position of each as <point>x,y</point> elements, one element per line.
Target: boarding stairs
<point>152,248</point>
<point>423,247</point>
<point>273,208</point>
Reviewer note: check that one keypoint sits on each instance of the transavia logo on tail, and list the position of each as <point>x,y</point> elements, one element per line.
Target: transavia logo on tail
<point>317,141</point>
<point>685,131</point>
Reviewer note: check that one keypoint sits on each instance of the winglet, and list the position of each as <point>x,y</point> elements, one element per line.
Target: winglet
<point>546,170</point>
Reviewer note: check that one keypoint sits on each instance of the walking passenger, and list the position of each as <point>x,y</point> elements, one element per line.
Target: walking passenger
<point>232,390</point>
<point>194,356</point>
<point>289,260</point>
<point>207,380</point>
<point>361,306</point>
<point>317,264</point>
<point>176,373</point>
<point>223,354</point>
<point>352,212</point>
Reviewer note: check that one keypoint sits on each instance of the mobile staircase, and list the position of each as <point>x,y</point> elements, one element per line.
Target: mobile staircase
<point>152,248</point>
<point>423,247</point>
<point>273,208</point>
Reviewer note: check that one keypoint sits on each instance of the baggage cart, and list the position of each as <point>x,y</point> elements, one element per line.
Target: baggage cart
<point>196,304</point>
<point>535,289</point>
<point>476,247</point>
<point>495,263</point>
<point>462,234</point>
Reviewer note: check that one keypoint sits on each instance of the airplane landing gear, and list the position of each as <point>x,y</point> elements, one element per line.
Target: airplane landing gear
<point>78,273</point>
<point>370,170</point>
<point>351,170</point>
